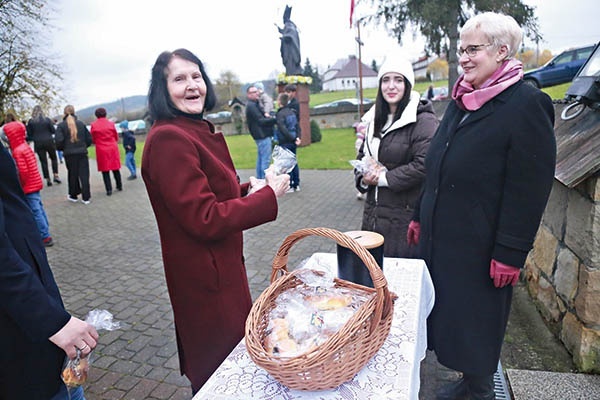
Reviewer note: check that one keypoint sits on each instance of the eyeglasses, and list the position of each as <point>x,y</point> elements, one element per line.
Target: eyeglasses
<point>471,50</point>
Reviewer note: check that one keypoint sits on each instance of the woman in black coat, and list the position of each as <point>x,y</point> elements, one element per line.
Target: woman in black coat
<point>36,332</point>
<point>490,169</point>
<point>41,130</point>
<point>73,138</point>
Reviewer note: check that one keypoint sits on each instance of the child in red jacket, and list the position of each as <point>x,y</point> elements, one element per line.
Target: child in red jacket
<point>29,175</point>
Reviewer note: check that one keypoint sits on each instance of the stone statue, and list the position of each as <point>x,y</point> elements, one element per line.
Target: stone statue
<point>290,45</point>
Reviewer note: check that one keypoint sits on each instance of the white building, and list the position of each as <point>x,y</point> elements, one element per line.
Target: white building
<point>343,75</point>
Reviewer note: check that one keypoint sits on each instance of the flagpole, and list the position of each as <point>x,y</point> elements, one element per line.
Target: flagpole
<point>360,83</point>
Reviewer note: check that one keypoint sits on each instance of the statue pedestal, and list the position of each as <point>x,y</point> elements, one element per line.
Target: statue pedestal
<point>303,97</point>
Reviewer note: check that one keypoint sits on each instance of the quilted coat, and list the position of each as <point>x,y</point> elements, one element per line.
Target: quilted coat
<point>388,210</point>
<point>106,140</point>
<point>201,211</point>
<point>24,157</point>
<point>488,179</point>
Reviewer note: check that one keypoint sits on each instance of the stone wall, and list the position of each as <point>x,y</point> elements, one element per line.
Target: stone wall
<point>333,117</point>
<point>563,270</point>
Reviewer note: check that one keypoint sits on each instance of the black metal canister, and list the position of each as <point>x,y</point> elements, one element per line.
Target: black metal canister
<point>350,266</point>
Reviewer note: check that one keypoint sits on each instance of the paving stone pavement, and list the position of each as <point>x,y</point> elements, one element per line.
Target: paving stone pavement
<point>107,256</point>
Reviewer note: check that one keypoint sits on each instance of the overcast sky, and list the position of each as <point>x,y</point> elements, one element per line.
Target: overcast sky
<point>107,48</point>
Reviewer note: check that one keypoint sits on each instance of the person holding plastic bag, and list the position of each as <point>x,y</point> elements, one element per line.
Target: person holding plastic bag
<point>288,135</point>
<point>201,210</point>
<point>393,155</point>
<point>35,329</point>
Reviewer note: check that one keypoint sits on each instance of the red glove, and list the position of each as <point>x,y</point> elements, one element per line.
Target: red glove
<point>503,274</point>
<point>414,231</point>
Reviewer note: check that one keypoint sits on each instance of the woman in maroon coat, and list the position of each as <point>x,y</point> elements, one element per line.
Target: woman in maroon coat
<point>201,210</point>
<point>106,140</point>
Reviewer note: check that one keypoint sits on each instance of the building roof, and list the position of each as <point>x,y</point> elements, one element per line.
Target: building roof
<point>348,68</point>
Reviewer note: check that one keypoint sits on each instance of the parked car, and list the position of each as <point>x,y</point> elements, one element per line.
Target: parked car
<point>220,114</point>
<point>439,93</point>
<point>344,102</point>
<point>560,69</point>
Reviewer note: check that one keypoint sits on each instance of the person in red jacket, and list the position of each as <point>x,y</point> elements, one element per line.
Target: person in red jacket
<point>29,175</point>
<point>106,139</point>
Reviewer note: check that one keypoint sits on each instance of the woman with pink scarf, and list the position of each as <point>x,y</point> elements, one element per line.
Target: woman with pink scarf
<point>490,168</point>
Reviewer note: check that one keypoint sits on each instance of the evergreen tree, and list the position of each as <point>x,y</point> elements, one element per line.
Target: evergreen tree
<point>317,85</point>
<point>374,66</point>
<point>439,21</point>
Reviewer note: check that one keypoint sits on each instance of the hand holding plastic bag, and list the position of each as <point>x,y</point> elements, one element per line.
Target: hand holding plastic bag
<point>284,160</point>
<point>368,166</point>
<point>256,184</point>
<point>279,183</point>
<point>76,370</point>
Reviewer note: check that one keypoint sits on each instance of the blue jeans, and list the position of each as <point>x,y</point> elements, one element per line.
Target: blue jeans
<point>264,156</point>
<point>35,203</point>
<point>130,162</point>
<point>63,393</point>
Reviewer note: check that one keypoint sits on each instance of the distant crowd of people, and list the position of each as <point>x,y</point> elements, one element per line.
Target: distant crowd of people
<point>67,142</point>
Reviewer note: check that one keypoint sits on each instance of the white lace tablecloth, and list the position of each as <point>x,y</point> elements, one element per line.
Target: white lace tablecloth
<point>393,373</point>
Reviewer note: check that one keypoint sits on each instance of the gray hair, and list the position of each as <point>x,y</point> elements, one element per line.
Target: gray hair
<point>499,29</point>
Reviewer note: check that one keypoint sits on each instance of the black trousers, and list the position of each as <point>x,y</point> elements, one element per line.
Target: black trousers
<point>107,183</point>
<point>45,150</point>
<point>78,169</point>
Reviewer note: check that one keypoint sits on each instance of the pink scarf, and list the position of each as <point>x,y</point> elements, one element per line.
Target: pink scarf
<point>471,99</point>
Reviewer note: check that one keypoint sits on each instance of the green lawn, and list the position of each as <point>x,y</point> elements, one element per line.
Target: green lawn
<point>555,92</point>
<point>334,150</point>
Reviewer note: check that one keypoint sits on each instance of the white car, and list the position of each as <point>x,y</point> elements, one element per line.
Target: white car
<point>344,102</point>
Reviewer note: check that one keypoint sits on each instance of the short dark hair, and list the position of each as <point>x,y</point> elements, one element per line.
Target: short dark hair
<point>159,101</point>
<point>283,99</point>
<point>289,88</point>
<point>100,112</point>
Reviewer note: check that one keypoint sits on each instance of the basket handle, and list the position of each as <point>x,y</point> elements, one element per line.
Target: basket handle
<point>384,299</point>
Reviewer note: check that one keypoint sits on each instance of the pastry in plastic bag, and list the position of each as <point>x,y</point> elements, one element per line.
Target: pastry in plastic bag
<point>305,316</point>
<point>76,371</point>
<point>368,165</point>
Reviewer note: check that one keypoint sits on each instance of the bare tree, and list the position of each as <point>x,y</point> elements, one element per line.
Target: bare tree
<point>28,74</point>
<point>227,86</point>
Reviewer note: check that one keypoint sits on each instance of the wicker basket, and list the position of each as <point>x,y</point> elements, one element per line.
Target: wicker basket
<point>345,353</point>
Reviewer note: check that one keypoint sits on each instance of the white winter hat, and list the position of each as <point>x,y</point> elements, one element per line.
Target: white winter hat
<point>397,63</point>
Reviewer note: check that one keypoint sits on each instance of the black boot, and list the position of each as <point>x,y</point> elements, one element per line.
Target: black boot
<point>481,387</point>
<point>458,390</point>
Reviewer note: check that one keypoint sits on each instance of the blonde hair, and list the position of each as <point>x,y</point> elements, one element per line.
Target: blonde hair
<point>499,29</point>
<point>70,118</point>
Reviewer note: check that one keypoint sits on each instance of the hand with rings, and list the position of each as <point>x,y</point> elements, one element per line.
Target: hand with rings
<point>76,336</point>
<point>83,348</point>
